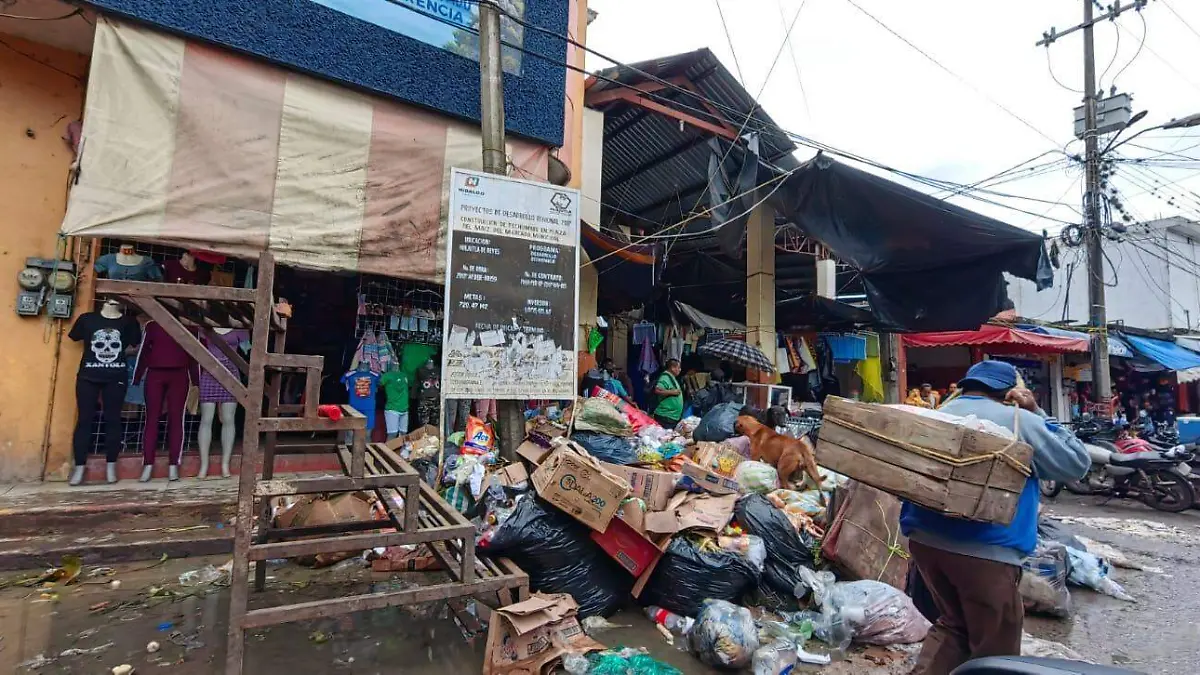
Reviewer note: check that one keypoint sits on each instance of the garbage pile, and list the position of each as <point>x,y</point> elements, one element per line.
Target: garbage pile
<point>1061,560</point>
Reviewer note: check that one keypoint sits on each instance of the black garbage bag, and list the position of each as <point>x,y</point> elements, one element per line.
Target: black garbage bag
<point>787,549</point>
<point>686,576</point>
<point>558,554</point>
<point>606,448</point>
<point>717,424</point>
<point>1049,529</point>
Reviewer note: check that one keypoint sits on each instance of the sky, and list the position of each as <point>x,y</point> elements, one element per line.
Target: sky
<point>848,82</point>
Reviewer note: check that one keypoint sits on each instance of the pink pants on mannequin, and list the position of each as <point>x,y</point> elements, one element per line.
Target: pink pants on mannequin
<point>169,385</point>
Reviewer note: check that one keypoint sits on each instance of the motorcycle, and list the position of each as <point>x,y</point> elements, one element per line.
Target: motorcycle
<point>1131,468</point>
<point>1028,665</point>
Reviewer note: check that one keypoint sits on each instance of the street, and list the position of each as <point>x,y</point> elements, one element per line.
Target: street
<point>65,629</point>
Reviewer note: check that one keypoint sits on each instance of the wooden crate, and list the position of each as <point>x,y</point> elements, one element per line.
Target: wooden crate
<point>882,447</point>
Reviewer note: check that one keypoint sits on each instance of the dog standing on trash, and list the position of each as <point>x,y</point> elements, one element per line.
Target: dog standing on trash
<point>786,454</point>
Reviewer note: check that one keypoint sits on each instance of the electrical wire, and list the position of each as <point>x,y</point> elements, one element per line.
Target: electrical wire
<point>1141,45</point>
<point>40,62</point>
<point>729,39</point>
<point>796,63</point>
<point>42,18</point>
<point>1181,19</point>
<point>1116,52</point>
<point>1050,67</point>
<point>1162,60</point>
<point>953,74</point>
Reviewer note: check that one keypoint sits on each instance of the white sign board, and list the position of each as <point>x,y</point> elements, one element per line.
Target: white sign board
<point>512,290</point>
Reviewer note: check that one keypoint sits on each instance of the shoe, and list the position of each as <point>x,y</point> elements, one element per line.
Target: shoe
<point>147,470</point>
<point>76,476</point>
<point>110,472</point>
<point>173,472</point>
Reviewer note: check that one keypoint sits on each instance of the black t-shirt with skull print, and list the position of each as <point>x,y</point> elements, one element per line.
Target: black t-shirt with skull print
<point>104,343</point>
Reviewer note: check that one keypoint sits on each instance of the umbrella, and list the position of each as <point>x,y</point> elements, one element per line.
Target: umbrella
<point>738,352</point>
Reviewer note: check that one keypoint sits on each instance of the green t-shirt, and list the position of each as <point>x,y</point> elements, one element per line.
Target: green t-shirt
<point>670,407</point>
<point>395,390</point>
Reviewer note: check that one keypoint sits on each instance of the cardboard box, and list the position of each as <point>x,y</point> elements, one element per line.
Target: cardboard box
<point>528,637</point>
<point>423,432</point>
<point>623,543</point>
<point>577,484</point>
<point>708,480</point>
<point>897,451</point>
<point>653,487</point>
<point>718,458</point>
<point>512,475</point>
<point>689,512</point>
<point>533,453</point>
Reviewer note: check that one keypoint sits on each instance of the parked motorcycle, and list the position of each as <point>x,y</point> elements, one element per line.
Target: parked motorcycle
<point>1027,665</point>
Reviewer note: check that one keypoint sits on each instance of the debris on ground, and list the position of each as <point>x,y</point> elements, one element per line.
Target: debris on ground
<point>78,651</point>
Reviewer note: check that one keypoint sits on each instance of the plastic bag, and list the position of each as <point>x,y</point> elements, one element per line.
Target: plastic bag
<point>739,443</point>
<point>602,416</point>
<point>870,612</point>
<point>748,546</point>
<point>717,424</point>
<point>724,635</point>
<point>628,662</point>
<point>777,658</point>
<point>787,549</point>
<point>606,448</point>
<point>480,438</point>
<point>756,477</point>
<point>686,576</point>
<point>1048,529</point>
<point>1044,583</point>
<point>1092,572</point>
<point>558,554</point>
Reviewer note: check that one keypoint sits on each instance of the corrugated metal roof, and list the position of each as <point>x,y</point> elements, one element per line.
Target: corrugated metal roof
<point>656,167</point>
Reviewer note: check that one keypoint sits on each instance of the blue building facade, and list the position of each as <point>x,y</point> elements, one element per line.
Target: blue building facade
<point>417,51</point>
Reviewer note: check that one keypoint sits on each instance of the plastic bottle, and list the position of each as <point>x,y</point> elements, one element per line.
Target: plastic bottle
<point>670,620</point>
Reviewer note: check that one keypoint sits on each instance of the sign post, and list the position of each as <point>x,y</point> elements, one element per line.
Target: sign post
<point>512,289</point>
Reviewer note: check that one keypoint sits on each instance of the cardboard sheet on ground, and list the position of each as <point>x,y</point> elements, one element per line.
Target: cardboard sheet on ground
<point>527,637</point>
<point>688,512</point>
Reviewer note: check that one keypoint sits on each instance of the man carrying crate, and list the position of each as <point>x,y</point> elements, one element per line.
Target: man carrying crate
<point>973,569</point>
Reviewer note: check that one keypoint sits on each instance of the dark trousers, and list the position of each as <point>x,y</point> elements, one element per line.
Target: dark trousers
<point>112,397</point>
<point>980,605</point>
<point>169,385</point>
<point>665,422</point>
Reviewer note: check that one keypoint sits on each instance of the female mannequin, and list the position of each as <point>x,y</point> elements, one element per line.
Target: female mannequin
<point>168,370</point>
<point>103,375</point>
<point>128,265</point>
<point>186,271</point>
<point>214,396</point>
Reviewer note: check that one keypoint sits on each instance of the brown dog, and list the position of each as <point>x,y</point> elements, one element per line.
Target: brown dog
<point>785,453</point>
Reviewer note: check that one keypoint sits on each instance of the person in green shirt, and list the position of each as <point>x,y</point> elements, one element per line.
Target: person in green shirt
<point>395,385</point>
<point>669,410</point>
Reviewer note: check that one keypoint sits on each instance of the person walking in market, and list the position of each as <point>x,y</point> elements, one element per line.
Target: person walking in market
<point>669,410</point>
<point>972,569</point>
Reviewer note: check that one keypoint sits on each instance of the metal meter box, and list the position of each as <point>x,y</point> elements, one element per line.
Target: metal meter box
<point>1112,114</point>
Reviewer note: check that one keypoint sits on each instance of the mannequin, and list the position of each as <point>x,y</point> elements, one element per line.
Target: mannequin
<point>429,394</point>
<point>361,385</point>
<point>169,372</point>
<point>103,375</point>
<point>186,270</point>
<point>213,397</point>
<point>128,265</point>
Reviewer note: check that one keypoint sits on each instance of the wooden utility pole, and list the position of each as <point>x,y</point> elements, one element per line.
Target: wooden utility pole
<point>495,160</point>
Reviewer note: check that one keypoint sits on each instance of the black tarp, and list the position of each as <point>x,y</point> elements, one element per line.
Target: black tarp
<point>927,265</point>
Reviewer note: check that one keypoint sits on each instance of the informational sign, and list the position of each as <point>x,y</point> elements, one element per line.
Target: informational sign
<point>512,293</point>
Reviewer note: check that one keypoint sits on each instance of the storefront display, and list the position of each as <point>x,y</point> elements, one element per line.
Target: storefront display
<point>169,373</point>
<point>214,396</point>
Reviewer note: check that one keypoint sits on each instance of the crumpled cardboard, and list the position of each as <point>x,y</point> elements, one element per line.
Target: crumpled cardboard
<point>706,480</point>
<point>690,511</point>
<point>427,431</point>
<point>528,637</point>
<point>315,510</point>
<point>575,483</point>
<point>653,487</point>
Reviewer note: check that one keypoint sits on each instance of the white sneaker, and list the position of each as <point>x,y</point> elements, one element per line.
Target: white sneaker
<point>76,476</point>
<point>146,471</point>
<point>110,472</point>
<point>173,472</point>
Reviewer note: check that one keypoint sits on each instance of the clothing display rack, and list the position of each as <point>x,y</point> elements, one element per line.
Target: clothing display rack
<point>416,514</point>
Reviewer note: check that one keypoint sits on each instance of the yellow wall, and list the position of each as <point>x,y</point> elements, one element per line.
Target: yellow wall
<point>37,101</point>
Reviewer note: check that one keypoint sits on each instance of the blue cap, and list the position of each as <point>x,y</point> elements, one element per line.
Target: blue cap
<point>991,374</point>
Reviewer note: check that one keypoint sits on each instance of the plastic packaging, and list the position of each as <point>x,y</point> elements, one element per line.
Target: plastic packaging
<point>601,416</point>
<point>870,612</point>
<point>606,448</point>
<point>670,620</point>
<point>628,661</point>
<point>558,554</point>
<point>480,438</point>
<point>717,424</point>
<point>205,575</point>
<point>748,546</point>
<point>787,549</point>
<point>576,664</point>
<point>756,477</point>
<point>685,576</point>
<point>1044,583</point>
<point>1092,571</point>
<point>777,658</point>
<point>724,636</point>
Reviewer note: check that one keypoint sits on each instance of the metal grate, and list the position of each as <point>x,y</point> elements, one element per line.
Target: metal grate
<point>404,310</point>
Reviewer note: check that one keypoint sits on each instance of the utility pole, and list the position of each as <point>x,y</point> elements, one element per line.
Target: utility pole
<point>1093,236</point>
<point>495,160</point>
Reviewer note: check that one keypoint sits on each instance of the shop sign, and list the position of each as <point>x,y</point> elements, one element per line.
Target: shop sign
<point>512,294</point>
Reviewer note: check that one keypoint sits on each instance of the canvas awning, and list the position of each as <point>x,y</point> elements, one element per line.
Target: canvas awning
<point>1116,346</point>
<point>194,146</point>
<point>999,339</point>
<point>1171,356</point>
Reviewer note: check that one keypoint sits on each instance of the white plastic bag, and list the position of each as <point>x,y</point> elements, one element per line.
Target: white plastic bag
<point>1091,571</point>
<point>869,612</point>
<point>756,477</point>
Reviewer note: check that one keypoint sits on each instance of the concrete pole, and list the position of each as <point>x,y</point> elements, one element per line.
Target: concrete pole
<point>760,282</point>
<point>1101,384</point>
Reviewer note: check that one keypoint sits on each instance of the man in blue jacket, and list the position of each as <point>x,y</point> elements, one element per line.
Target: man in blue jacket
<point>973,569</point>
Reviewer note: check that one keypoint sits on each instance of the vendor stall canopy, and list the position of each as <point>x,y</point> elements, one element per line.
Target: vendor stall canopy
<point>1000,339</point>
<point>1169,355</point>
<point>925,264</point>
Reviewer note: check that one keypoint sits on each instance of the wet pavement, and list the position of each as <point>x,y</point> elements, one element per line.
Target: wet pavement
<point>90,627</point>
